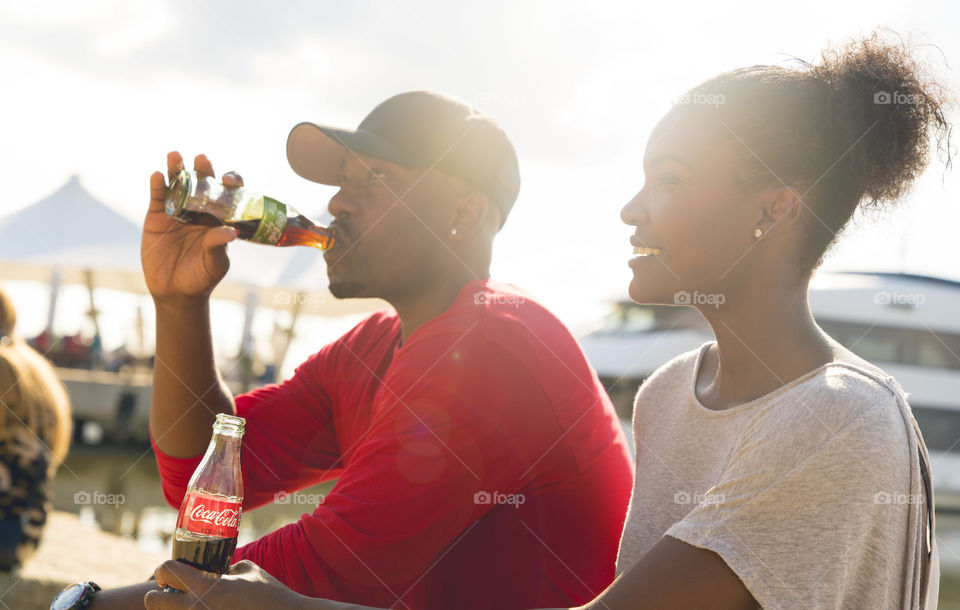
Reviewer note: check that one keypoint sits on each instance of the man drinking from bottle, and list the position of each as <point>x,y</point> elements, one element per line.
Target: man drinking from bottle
<point>479,462</point>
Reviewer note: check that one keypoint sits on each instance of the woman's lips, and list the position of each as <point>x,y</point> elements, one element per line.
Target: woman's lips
<point>639,260</point>
<point>642,250</point>
<point>643,247</point>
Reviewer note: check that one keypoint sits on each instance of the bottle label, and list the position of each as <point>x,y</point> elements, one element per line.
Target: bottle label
<point>272,223</point>
<point>209,515</point>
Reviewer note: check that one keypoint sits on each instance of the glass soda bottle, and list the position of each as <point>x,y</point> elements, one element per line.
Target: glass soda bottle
<point>257,218</point>
<point>209,517</point>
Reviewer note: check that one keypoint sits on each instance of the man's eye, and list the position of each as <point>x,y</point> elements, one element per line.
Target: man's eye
<point>375,177</point>
<point>666,179</point>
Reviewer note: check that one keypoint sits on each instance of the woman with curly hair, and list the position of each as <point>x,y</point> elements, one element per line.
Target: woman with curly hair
<point>774,466</point>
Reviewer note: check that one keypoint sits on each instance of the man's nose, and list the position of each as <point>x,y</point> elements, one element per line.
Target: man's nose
<point>340,205</point>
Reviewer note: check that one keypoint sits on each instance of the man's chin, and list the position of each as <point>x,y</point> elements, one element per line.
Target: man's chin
<point>346,290</point>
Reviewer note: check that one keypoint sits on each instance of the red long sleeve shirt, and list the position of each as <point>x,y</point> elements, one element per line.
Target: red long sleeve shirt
<point>479,465</point>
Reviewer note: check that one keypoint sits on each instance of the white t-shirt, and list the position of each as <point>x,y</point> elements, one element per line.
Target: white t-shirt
<point>812,494</point>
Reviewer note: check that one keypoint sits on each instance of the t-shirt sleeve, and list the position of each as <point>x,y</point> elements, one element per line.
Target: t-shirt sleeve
<point>443,431</point>
<point>289,440</point>
<point>800,509</point>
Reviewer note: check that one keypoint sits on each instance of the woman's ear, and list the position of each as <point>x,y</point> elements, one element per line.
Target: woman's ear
<point>469,215</point>
<point>781,208</point>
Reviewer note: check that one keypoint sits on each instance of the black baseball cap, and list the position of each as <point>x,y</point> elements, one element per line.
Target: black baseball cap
<point>422,129</point>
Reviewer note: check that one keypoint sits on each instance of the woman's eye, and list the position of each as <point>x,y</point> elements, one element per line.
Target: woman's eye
<point>666,179</point>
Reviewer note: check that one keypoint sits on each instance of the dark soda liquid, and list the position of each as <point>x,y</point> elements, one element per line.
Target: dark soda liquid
<point>300,230</point>
<point>212,555</point>
<point>198,218</point>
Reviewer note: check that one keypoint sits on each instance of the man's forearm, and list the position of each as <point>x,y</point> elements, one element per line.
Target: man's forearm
<point>123,598</point>
<point>187,389</point>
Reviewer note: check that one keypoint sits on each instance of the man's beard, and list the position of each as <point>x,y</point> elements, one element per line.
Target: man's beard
<point>346,290</point>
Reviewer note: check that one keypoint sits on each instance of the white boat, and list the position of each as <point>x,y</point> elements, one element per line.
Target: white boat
<point>908,325</point>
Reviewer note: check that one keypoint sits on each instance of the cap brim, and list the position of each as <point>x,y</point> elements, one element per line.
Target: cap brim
<point>316,152</point>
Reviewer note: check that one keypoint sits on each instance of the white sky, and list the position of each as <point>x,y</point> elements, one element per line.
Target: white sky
<point>104,88</point>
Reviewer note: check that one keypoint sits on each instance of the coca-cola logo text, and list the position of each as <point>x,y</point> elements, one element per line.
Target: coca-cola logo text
<point>210,515</point>
<point>222,518</point>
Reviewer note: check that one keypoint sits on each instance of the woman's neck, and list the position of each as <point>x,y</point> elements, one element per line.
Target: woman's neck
<point>764,341</point>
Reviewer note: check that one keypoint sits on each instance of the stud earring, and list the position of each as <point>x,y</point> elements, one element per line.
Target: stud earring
<point>453,232</point>
<point>757,232</point>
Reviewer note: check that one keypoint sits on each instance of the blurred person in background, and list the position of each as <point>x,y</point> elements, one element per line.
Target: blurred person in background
<point>35,431</point>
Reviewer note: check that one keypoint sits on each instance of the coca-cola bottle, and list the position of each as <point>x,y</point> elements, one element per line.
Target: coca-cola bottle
<point>209,517</point>
<point>202,200</point>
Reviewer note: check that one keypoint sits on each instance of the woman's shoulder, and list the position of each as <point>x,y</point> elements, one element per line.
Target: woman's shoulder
<point>841,402</point>
<point>853,389</point>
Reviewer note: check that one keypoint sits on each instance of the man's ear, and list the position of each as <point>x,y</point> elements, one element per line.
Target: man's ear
<point>781,207</point>
<point>470,212</point>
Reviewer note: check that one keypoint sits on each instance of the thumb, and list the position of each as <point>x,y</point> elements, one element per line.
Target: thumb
<point>218,236</point>
<point>156,599</point>
<point>179,575</point>
<point>243,567</point>
<point>158,192</point>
